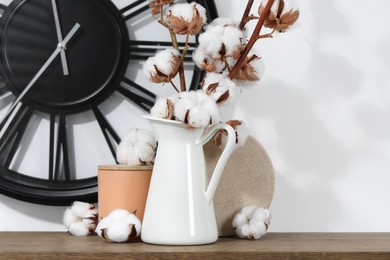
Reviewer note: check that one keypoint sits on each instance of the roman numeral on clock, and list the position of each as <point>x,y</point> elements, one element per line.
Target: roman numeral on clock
<point>13,128</point>
<point>112,138</point>
<point>129,15</point>
<point>2,8</point>
<point>139,95</point>
<point>59,167</point>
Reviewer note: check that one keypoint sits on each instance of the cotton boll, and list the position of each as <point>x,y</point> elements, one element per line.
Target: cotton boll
<point>186,18</point>
<point>256,230</point>
<point>79,229</point>
<point>185,11</point>
<point>251,222</point>
<point>232,39</point>
<point>213,109</point>
<point>132,219</point>
<point>80,219</point>
<point>119,226</point>
<point>160,108</point>
<point>167,61</point>
<point>148,68</point>
<point>69,217</point>
<point>118,214</point>
<point>261,214</point>
<point>210,41</point>
<point>145,136</point>
<point>118,231</point>
<point>182,106</point>
<point>122,153</point>
<point>80,208</point>
<point>145,154</point>
<point>103,224</point>
<point>248,210</point>
<point>242,133</point>
<point>137,148</point>
<point>198,117</point>
<point>224,21</point>
<point>239,220</point>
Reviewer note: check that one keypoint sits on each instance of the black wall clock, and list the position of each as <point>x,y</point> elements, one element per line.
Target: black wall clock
<point>61,61</point>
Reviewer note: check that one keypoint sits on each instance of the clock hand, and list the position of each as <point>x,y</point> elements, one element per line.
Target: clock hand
<point>59,37</point>
<point>42,69</point>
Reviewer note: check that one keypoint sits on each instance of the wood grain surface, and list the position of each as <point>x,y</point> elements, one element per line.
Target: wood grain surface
<point>57,245</point>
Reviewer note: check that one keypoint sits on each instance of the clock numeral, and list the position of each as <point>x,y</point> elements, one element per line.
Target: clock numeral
<point>13,133</point>
<point>2,8</point>
<point>142,97</point>
<point>112,138</point>
<point>141,50</point>
<point>59,168</point>
<point>3,88</point>
<point>128,15</point>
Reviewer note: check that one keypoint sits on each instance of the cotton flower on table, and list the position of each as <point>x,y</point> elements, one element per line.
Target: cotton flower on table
<point>119,226</point>
<point>251,222</point>
<point>80,219</point>
<point>138,147</point>
<point>186,18</point>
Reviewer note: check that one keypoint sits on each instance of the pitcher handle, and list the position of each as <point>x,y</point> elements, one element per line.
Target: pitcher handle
<point>224,156</point>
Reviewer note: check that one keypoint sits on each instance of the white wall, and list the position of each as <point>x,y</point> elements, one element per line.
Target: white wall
<point>322,112</point>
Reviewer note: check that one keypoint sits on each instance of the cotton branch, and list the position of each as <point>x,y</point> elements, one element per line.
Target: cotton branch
<point>254,37</point>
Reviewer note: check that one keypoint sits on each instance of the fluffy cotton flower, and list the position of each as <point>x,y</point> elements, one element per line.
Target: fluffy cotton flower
<point>251,222</point>
<point>242,133</point>
<point>162,67</point>
<point>224,21</point>
<point>219,87</point>
<point>221,41</point>
<point>283,15</point>
<point>194,108</point>
<point>186,18</point>
<point>138,147</point>
<point>80,219</point>
<point>119,226</point>
<point>163,108</point>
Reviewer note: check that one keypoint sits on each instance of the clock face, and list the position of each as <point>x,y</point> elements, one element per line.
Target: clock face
<point>70,86</point>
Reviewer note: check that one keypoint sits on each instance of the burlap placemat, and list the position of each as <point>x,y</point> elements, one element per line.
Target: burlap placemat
<point>248,179</point>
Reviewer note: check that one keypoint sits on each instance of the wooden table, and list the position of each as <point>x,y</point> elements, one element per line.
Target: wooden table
<point>56,245</point>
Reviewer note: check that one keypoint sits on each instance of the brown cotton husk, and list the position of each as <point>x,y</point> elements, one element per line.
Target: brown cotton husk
<point>218,135</point>
<point>246,71</point>
<point>104,235</point>
<point>281,20</point>
<point>211,88</point>
<point>133,231</point>
<point>171,109</point>
<point>225,96</point>
<point>155,8</point>
<point>160,77</point>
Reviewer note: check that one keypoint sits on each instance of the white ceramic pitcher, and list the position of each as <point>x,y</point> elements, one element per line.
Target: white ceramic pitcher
<point>179,207</point>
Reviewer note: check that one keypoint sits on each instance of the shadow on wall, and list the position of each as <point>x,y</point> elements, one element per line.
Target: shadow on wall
<point>312,156</point>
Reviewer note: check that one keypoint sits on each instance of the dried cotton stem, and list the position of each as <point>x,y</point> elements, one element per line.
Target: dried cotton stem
<point>253,39</point>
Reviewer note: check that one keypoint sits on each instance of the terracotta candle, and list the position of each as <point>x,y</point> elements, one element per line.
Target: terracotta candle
<point>123,187</point>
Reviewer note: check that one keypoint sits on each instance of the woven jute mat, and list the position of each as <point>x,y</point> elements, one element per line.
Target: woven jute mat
<point>248,179</point>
